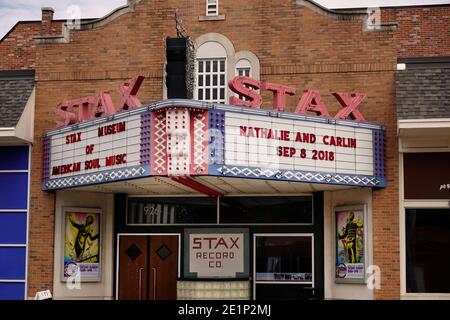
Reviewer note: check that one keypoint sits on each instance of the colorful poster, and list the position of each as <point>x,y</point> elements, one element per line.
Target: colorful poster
<point>350,245</point>
<point>82,245</point>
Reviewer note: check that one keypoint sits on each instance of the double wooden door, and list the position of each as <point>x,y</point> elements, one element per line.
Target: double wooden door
<point>148,267</point>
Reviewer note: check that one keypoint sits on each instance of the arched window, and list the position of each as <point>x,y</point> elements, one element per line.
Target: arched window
<point>216,63</point>
<point>211,70</point>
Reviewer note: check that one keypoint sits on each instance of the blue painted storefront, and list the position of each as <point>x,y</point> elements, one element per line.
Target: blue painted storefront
<point>14,208</point>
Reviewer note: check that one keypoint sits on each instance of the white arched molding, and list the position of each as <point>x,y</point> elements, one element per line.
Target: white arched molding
<point>218,38</point>
<point>211,49</point>
<point>216,45</point>
<point>248,58</point>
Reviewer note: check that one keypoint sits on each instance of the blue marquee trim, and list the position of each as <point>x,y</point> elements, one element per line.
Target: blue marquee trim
<point>296,176</point>
<point>124,173</point>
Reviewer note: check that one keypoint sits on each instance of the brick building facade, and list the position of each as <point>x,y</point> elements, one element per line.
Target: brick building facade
<point>297,43</point>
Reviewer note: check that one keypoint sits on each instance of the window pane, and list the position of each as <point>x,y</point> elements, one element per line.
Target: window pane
<point>14,227</point>
<point>12,291</point>
<point>15,190</point>
<point>173,210</point>
<point>13,263</point>
<point>286,258</point>
<point>212,80</point>
<point>200,66</point>
<point>427,250</point>
<point>266,209</point>
<point>14,158</point>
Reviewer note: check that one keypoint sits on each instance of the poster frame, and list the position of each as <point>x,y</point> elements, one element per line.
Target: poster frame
<point>96,211</point>
<point>358,207</point>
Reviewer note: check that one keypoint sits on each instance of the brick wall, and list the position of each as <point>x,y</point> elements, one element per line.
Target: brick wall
<point>296,46</point>
<point>18,47</point>
<point>423,31</point>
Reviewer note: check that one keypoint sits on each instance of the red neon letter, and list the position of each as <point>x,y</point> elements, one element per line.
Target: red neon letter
<point>103,105</point>
<point>69,117</point>
<point>312,101</point>
<point>83,107</point>
<point>279,92</point>
<point>242,86</point>
<point>128,91</point>
<point>350,104</point>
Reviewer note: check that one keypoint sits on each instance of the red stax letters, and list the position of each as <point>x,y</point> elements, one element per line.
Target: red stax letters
<point>312,101</point>
<point>242,84</point>
<point>100,105</point>
<point>279,92</point>
<point>349,104</point>
<point>103,105</point>
<point>128,91</point>
<point>69,117</point>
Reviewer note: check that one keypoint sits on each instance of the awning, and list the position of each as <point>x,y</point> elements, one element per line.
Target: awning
<point>178,146</point>
<point>16,106</point>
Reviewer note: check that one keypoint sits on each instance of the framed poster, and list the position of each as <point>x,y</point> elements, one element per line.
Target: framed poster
<point>82,243</point>
<point>350,244</point>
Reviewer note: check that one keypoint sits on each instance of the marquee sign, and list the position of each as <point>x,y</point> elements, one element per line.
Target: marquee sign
<point>186,138</point>
<point>99,151</point>
<point>298,149</point>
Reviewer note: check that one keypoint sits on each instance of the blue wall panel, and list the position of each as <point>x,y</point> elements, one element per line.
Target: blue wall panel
<point>12,263</point>
<point>13,190</point>
<point>13,226</point>
<point>14,158</point>
<point>12,291</point>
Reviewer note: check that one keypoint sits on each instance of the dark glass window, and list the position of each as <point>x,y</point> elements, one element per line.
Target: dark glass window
<point>428,250</point>
<point>172,210</point>
<point>266,209</point>
<point>284,258</point>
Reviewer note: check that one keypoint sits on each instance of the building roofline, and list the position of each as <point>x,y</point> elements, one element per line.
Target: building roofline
<point>14,74</point>
<point>87,25</point>
<point>346,14</point>
<point>396,7</point>
<point>115,13</point>
<point>38,22</point>
<point>426,62</point>
<point>355,12</point>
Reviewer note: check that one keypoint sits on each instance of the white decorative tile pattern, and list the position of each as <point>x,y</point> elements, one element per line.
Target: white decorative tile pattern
<point>94,178</point>
<point>298,176</point>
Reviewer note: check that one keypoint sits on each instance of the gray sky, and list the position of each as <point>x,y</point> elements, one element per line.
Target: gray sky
<point>12,11</point>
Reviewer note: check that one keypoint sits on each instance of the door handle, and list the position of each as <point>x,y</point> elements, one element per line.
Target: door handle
<point>154,282</point>
<point>140,283</point>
